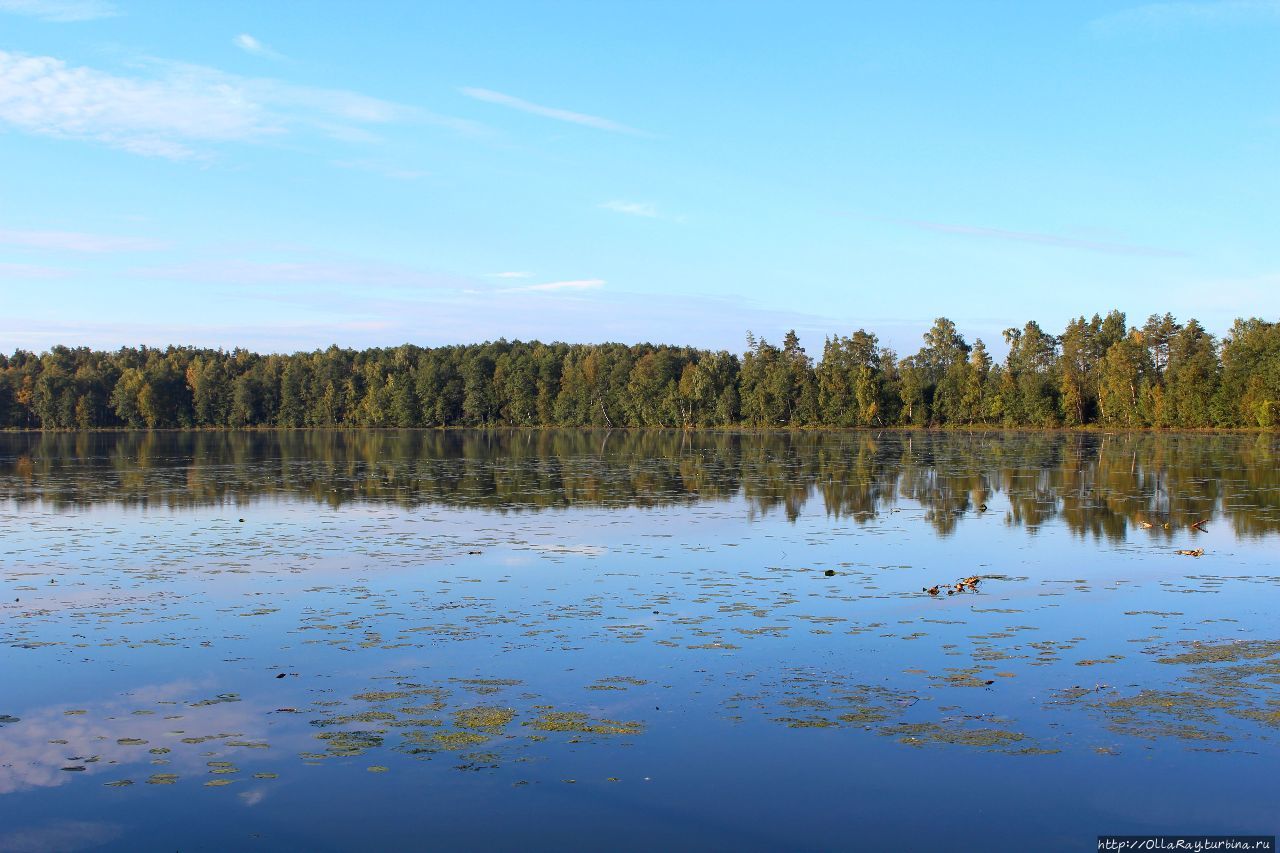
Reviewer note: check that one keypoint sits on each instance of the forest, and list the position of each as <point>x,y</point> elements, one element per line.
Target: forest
<point>1098,371</point>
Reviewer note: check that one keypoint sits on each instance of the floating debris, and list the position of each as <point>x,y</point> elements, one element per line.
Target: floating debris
<point>968,584</point>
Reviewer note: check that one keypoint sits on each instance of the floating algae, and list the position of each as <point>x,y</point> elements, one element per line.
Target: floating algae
<point>487,686</point>
<point>577,721</point>
<point>206,738</point>
<point>162,779</point>
<point>807,722</point>
<point>361,717</point>
<point>1185,705</point>
<point>458,740</point>
<point>483,717</point>
<point>1233,679</point>
<point>1228,652</point>
<point>624,680</point>
<point>382,695</point>
<point>920,734</point>
<point>350,743</point>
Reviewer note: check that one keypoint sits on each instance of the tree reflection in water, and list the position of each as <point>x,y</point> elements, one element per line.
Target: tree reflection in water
<point>1097,484</point>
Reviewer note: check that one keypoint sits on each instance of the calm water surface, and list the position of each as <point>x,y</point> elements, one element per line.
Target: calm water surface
<point>555,640</point>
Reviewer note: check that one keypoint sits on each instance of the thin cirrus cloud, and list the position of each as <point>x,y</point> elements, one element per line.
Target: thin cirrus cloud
<point>76,241</point>
<point>61,11</point>
<point>1043,239</point>
<point>249,44</point>
<point>297,272</point>
<point>178,111</point>
<point>632,208</point>
<point>30,272</point>
<point>492,97</point>
<point>558,286</point>
<point>1174,15</point>
<point>512,274</point>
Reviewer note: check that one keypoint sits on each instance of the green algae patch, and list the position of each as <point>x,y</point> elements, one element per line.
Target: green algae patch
<point>576,721</point>
<point>266,775</point>
<point>119,783</point>
<point>1229,680</point>
<point>458,740</point>
<point>487,686</point>
<point>416,722</point>
<point>131,741</point>
<point>1186,705</point>
<point>1269,717</point>
<point>350,743</point>
<point>807,722</point>
<point>382,695</point>
<point>162,779</point>
<point>206,738</point>
<point>920,734</point>
<point>483,717</point>
<point>1230,652</point>
<point>864,716</point>
<point>970,677</point>
<point>218,783</point>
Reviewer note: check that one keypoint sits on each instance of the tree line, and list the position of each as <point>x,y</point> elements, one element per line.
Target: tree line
<point>1162,374</point>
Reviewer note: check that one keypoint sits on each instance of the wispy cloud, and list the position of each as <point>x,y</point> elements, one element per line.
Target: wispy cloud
<point>289,319</point>
<point>30,272</point>
<point>632,208</point>
<point>492,97</point>
<point>298,272</point>
<point>178,110</point>
<point>76,241</point>
<point>1158,16</point>
<point>1043,239</point>
<point>249,44</point>
<point>516,274</point>
<point>579,284</point>
<point>61,11</point>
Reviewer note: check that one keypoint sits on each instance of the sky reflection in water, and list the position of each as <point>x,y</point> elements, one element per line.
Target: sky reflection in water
<point>646,651</point>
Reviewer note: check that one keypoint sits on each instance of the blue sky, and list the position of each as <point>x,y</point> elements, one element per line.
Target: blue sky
<point>288,175</point>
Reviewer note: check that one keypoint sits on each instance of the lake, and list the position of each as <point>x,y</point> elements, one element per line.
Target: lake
<point>546,640</point>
